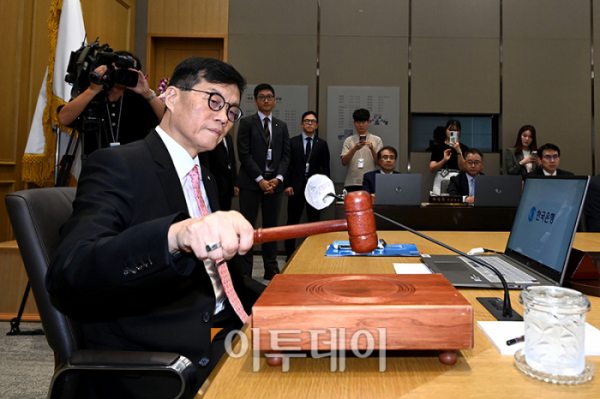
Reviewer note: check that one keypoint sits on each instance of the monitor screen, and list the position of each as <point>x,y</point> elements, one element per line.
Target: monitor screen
<point>546,221</point>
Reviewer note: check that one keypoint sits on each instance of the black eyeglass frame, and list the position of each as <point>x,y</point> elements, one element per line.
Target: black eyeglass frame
<point>210,96</point>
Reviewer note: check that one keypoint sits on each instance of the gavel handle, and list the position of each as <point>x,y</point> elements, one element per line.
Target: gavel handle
<point>298,230</point>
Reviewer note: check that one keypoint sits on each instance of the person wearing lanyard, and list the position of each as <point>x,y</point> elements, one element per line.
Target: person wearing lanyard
<point>309,156</point>
<point>127,114</point>
<point>264,154</point>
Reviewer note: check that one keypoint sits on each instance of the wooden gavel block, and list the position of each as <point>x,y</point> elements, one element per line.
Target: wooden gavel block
<point>399,312</point>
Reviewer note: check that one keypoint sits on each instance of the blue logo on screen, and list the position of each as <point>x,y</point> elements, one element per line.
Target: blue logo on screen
<point>531,214</point>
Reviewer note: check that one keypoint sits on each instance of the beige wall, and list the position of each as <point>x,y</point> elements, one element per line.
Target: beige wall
<point>453,49</point>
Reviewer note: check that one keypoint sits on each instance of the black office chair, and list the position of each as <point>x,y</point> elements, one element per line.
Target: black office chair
<point>36,216</point>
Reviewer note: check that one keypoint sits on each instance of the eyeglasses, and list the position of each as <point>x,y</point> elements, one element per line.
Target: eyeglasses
<point>551,157</point>
<point>216,102</point>
<point>390,157</point>
<point>265,98</point>
<point>310,121</point>
<point>474,163</point>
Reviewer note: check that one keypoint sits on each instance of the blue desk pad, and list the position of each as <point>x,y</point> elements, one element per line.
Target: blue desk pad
<point>342,248</point>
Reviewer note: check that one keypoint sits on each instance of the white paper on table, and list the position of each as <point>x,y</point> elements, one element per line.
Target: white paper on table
<point>498,332</point>
<point>412,268</point>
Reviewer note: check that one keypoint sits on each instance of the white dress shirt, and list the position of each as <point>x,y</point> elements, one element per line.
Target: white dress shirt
<point>183,165</point>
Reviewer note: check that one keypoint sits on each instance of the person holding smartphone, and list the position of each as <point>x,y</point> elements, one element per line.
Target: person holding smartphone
<point>359,151</point>
<point>447,159</point>
<point>522,158</point>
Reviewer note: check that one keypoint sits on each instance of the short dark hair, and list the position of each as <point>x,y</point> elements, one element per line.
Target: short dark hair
<point>138,63</point>
<point>361,115</point>
<point>548,146</point>
<point>388,148</point>
<point>261,87</point>
<point>474,151</point>
<point>304,115</point>
<point>453,122</point>
<point>193,70</point>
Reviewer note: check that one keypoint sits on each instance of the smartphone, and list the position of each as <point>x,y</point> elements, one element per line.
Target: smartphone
<point>453,137</point>
<point>534,153</point>
<point>362,137</point>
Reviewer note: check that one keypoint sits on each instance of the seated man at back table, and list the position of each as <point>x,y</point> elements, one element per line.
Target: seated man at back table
<point>386,159</point>
<point>464,183</point>
<point>549,156</point>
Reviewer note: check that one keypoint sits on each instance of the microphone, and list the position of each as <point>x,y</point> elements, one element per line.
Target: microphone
<point>319,192</point>
<point>319,186</point>
<point>507,312</point>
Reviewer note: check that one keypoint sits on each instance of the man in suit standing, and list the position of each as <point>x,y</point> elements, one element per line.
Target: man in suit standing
<point>223,166</point>
<point>264,154</point>
<point>464,183</point>
<point>386,158</point>
<point>141,262</point>
<point>549,156</point>
<point>309,156</point>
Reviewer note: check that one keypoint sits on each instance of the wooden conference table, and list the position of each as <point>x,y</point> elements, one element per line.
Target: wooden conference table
<point>480,372</point>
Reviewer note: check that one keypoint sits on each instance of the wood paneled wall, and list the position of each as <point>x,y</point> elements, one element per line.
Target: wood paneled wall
<point>24,32</point>
<point>193,17</point>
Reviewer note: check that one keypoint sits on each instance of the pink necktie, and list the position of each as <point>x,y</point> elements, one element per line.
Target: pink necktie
<point>221,264</point>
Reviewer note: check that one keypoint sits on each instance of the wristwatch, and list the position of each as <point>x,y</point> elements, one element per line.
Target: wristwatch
<point>151,96</point>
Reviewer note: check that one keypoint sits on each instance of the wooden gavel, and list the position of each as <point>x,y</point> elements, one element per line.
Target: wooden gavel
<point>360,223</point>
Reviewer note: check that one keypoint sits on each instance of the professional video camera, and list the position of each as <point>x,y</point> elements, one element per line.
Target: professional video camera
<point>83,62</point>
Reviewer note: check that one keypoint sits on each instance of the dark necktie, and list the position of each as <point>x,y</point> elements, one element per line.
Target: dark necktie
<point>308,147</point>
<point>268,137</point>
<point>267,131</point>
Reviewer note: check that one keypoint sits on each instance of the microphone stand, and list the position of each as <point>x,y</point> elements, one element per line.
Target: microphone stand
<point>506,313</point>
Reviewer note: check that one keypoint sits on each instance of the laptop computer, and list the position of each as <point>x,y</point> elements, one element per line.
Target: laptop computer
<point>539,243</point>
<point>398,189</point>
<point>498,191</point>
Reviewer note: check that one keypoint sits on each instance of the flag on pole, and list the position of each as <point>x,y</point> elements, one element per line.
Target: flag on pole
<point>66,32</point>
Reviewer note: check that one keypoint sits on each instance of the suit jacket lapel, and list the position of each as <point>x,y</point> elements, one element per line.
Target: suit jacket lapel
<point>261,128</point>
<point>211,192</point>
<point>166,173</point>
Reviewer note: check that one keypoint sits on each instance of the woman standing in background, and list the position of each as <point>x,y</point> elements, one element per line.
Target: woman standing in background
<point>522,159</point>
<point>447,158</point>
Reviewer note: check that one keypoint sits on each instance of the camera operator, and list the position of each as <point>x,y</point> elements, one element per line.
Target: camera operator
<point>126,114</point>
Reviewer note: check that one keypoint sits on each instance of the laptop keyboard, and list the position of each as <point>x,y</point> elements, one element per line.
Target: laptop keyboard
<point>511,274</point>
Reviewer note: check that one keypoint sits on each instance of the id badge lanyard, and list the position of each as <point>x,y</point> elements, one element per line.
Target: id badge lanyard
<point>308,158</point>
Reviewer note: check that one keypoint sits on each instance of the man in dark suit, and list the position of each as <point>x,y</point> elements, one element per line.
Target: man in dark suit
<point>549,156</point>
<point>222,165</point>
<point>464,183</point>
<point>139,262</point>
<point>386,159</point>
<point>309,156</point>
<point>264,154</point>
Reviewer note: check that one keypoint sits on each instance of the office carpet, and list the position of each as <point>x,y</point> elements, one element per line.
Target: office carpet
<point>27,362</point>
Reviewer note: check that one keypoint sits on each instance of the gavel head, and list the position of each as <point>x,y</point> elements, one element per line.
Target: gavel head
<point>362,231</point>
